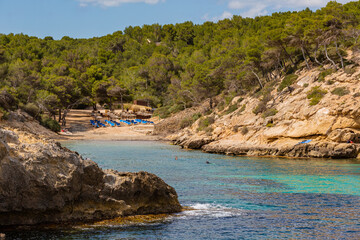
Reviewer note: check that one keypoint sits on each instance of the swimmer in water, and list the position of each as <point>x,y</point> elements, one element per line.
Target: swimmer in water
<point>176,158</point>
<point>207,162</point>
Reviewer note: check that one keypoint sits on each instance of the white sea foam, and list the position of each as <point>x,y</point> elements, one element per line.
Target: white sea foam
<point>204,206</point>
<point>211,210</point>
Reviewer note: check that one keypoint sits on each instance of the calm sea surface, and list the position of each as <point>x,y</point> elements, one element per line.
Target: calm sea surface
<point>235,197</point>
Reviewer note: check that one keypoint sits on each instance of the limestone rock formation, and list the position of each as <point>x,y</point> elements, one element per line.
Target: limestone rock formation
<point>316,150</point>
<point>42,182</point>
<point>332,124</point>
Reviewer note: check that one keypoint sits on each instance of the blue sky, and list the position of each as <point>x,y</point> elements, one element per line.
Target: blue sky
<point>91,18</point>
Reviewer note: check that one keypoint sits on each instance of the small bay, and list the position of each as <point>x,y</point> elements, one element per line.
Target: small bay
<point>233,197</point>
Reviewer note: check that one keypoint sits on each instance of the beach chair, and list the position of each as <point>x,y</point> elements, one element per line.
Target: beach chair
<point>100,123</point>
<point>304,142</point>
<point>126,122</point>
<point>117,124</point>
<point>110,123</point>
<point>94,124</point>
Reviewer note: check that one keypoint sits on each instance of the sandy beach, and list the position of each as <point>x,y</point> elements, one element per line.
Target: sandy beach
<point>79,128</point>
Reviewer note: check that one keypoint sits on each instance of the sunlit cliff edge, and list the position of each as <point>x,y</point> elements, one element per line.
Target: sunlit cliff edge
<point>316,115</point>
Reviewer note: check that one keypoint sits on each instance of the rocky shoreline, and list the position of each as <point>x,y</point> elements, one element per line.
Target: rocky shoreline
<point>331,125</point>
<point>318,150</point>
<point>42,182</point>
<point>304,150</point>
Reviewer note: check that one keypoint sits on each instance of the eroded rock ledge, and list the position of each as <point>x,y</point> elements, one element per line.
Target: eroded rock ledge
<point>315,150</point>
<point>292,148</point>
<point>42,182</point>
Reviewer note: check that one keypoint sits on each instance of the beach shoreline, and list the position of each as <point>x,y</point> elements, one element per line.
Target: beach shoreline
<point>78,127</point>
<point>127,135</point>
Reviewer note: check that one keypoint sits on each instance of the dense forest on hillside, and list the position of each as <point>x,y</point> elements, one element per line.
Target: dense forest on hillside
<point>173,66</point>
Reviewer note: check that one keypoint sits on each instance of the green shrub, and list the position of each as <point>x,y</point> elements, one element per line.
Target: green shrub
<point>240,100</point>
<point>260,108</point>
<point>196,116</point>
<point>186,122</point>
<point>356,95</point>
<point>330,82</point>
<point>208,112</point>
<point>269,112</point>
<point>4,113</point>
<point>127,106</point>
<point>244,130</point>
<point>176,108</point>
<point>243,107</point>
<point>269,125</point>
<point>221,106</point>
<point>287,81</point>
<point>236,128</point>
<point>231,109</point>
<point>208,130</point>
<point>265,92</point>
<point>205,122</point>
<point>32,109</point>
<point>325,73</point>
<point>340,91</point>
<point>315,95</point>
<point>49,123</point>
<point>315,101</point>
<point>306,85</point>
<point>228,99</point>
<point>290,70</point>
<point>350,71</point>
<point>162,112</point>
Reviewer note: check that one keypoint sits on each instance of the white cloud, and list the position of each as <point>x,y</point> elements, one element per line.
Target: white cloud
<point>114,3</point>
<point>224,15</point>
<point>206,17</point>
<point>237,4</point>
<point>255,8</point>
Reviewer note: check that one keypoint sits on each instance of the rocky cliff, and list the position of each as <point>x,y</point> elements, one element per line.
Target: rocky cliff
<point>319,105</point>
<point>42,182</point>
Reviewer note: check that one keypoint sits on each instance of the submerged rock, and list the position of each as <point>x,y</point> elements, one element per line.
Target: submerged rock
<point>42,182</point>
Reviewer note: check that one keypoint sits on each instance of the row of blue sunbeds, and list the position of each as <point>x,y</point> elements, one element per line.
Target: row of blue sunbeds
<point>112,123</point>
<point>136,121</point>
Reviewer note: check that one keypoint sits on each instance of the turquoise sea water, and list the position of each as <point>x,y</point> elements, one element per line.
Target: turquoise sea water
<point>235,197</point>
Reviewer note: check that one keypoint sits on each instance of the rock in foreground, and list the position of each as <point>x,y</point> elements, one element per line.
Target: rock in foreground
<point>42,182</point>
